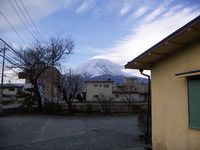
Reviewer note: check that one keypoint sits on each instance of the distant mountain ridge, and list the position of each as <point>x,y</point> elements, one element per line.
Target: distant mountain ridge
<point>117,79</point>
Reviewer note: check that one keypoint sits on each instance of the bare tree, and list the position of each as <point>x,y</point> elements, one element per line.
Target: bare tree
<point>70,85</point>
<point>128,92</point>
<point>106,103</point>
<point>36,59</point>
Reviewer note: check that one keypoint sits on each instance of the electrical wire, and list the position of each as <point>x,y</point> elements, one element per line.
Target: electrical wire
<point>9,46</point>
<point>22,20</point>
<point>31,20</point>
<point>12,26</point>
<point>26,19</point>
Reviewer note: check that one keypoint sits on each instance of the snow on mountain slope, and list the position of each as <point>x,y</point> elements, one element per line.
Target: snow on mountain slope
<point>98,67</point>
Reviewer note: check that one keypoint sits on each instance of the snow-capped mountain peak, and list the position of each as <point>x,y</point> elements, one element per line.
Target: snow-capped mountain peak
<point>98,67</point>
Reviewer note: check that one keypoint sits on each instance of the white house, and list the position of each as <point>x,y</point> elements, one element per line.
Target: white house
<point>98,89</point>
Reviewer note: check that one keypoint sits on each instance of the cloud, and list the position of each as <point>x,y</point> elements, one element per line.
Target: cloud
<point>139,12</point>
<point>67,4</point>
<point>148,34</point>
<point>158,11</point>
<point>37,8</point>
<point>85,6</point>
<point>125,9</point>
<point>155,13</point>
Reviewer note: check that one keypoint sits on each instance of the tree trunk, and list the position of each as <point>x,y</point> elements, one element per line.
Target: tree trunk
<point>38,97</point>
<point>67,100</point>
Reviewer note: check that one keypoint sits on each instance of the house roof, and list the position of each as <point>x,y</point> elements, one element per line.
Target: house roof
<point>99,81</point>
<point>174,42</point>
<point>12,85</point>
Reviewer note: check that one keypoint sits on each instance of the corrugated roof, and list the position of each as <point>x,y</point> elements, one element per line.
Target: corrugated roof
<point>175,41</point>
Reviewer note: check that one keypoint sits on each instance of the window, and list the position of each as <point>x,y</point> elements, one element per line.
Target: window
<point>96,96</point>
<point>106,86</point>
<point>194,102</point>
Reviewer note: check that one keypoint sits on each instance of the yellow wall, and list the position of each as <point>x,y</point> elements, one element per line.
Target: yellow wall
<point>170,101</point>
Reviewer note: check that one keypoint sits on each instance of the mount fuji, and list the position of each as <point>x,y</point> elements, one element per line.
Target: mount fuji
<point>102,69</point>
<point>99,67</point>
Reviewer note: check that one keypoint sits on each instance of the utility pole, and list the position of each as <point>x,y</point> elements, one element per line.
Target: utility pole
<point>52,75</point>
<point>2,75</point>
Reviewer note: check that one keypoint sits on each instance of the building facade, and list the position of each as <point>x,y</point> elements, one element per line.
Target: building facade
<point>126,92</point>
<point>10,92</point>
<point>98,89</point>
<point>175,70</point>
<point>48,85</point>
<point>130,91</point>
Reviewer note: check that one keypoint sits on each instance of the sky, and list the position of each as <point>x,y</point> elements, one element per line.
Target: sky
<point>117,30</point>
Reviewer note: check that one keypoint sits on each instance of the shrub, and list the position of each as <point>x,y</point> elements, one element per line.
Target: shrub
<point>29,102</point>
<point>106,104</point>
<point>88,108</point>
<point>142,123</point>
<point>136,108</point>
<point>6,102</point>
<point>52,108</point>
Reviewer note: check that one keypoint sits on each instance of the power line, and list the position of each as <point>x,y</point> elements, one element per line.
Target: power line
<point>9,46</point>
<point>31,19</point>
<point>22,19</point>
<point>26,18</point>
<point>12,26</point>
<point>8,59</point>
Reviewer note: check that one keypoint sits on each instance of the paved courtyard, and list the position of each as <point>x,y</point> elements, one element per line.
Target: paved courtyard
<point>35,132</point>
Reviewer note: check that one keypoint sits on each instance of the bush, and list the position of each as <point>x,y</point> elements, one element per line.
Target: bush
<point>52,108</point>
<point>88,108</point>
<point>7,102</point>
<point>29,102</point>
<point>106,103</point>
<point>142,124</point>
<point>136,108</point>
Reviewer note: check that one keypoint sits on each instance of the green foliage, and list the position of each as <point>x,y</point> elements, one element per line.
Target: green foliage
<point>6,102</point>
<point>29,102</point>
<point>29,99</point>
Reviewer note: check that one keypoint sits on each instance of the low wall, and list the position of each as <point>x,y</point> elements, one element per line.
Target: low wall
<point>114,107</point>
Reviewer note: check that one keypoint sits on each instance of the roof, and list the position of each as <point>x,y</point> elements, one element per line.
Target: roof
<point>11,85</point>
<point>99,81</point>
<point>17,85</point>
<point>174,42</point>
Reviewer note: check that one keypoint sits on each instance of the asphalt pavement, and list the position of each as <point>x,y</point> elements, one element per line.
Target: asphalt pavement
<point>44,132</point>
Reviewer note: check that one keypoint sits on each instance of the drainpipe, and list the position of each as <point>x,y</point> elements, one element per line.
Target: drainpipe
<point>148,128</point>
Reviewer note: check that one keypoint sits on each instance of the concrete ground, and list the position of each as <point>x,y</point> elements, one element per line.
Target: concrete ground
<point>35,132</point>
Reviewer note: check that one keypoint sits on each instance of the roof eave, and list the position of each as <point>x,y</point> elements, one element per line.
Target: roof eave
<point>134,64</point>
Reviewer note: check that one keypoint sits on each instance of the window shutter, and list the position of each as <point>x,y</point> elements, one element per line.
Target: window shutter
<point>194,103</point>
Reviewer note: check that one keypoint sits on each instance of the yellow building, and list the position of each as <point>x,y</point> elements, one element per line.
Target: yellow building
<point>175,73</point>
<point>48,84</point>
